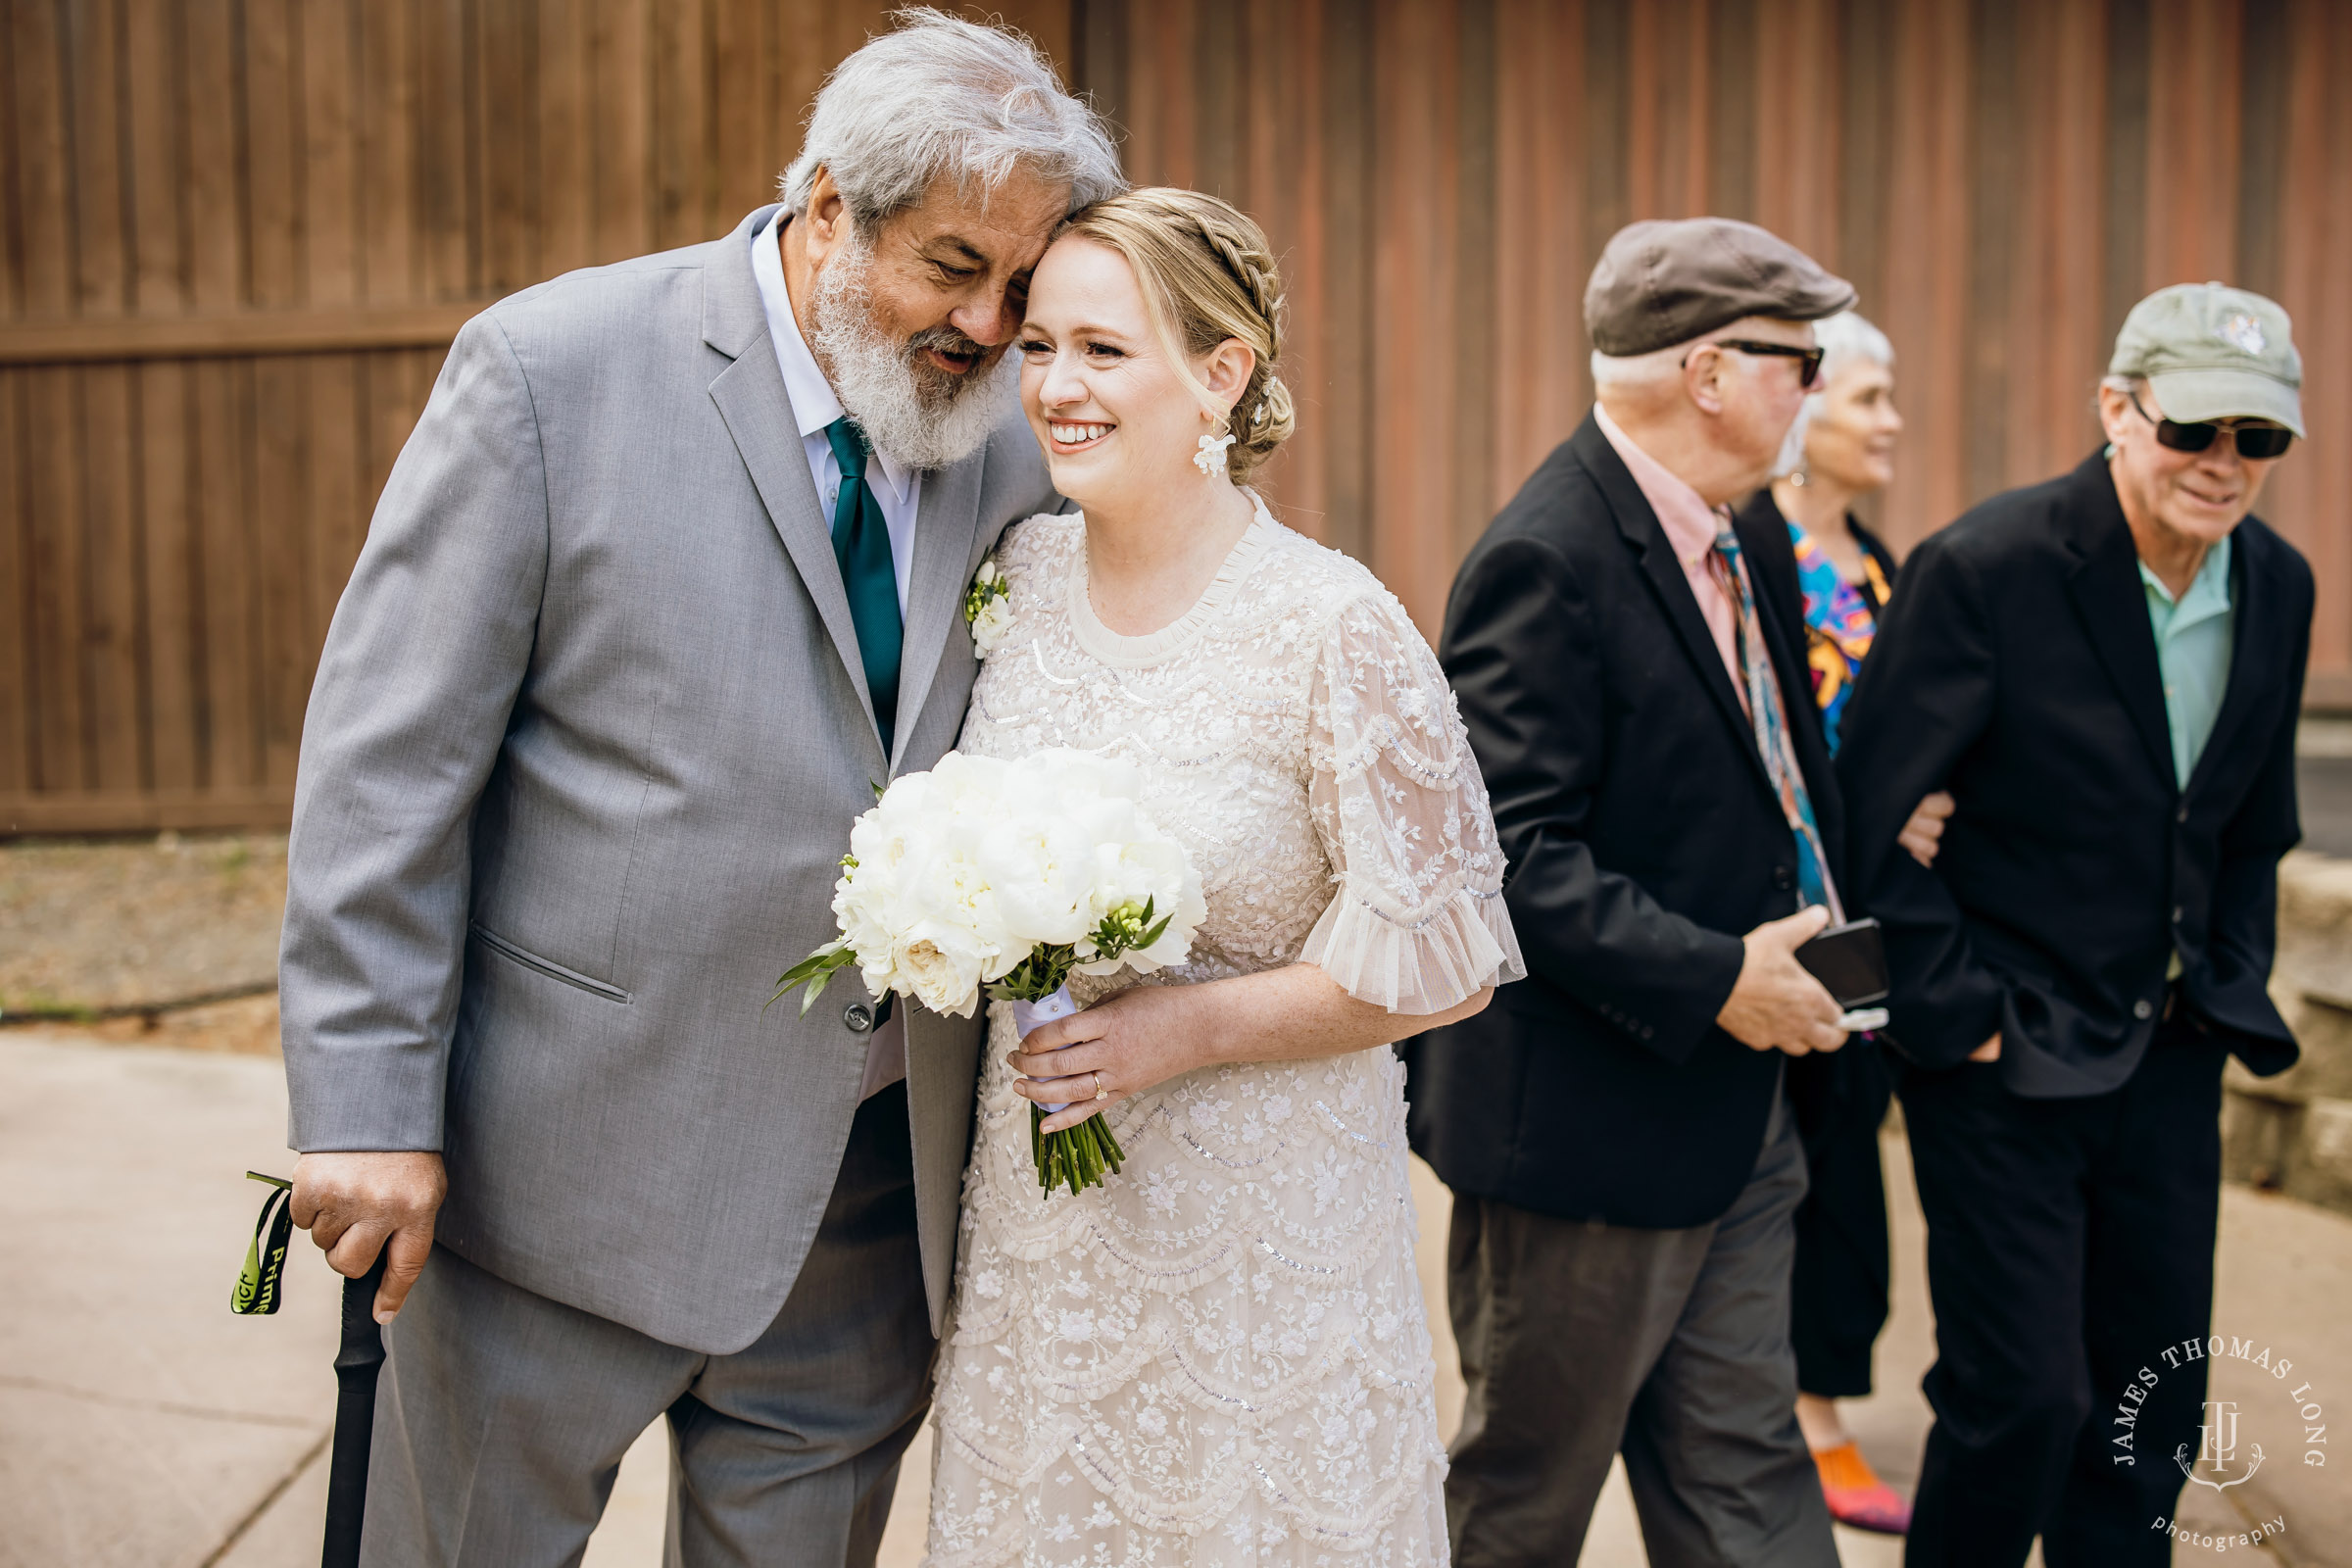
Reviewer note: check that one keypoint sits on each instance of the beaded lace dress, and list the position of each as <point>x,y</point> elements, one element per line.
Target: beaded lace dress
<point>1221,1356</point>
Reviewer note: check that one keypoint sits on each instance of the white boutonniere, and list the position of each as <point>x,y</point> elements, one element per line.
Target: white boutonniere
<point>988,607</point>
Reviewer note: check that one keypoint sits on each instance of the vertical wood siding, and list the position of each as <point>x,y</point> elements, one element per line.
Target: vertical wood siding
<point>2001,179</point>
<point>239,234</point>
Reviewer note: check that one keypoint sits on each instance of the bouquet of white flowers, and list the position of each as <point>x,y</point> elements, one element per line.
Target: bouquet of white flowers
<point>1011,878</point>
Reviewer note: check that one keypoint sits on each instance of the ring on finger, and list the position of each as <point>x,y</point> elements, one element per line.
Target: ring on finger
<point>1100,1093</point>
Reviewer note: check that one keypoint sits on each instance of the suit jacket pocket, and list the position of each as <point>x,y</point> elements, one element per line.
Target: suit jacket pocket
<point>548,967</point>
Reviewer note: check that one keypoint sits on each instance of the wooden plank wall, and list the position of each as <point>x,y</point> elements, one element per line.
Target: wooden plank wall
<point>239,234</point>
<point>2001,178</point>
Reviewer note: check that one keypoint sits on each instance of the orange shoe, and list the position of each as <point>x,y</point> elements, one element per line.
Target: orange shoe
<point>1856,1496</point>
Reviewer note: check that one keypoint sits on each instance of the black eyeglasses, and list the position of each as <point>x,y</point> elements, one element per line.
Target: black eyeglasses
<point>2258,441</point>
<point>1808,366</point>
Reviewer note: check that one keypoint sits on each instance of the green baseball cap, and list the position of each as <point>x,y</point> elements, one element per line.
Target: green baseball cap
<point>2212,352</point>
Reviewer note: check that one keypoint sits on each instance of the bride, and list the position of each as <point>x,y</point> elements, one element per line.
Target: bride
<point>1220,1354</point>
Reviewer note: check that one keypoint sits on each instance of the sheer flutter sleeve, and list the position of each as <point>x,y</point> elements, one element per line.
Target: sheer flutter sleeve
<point>1416,921</point>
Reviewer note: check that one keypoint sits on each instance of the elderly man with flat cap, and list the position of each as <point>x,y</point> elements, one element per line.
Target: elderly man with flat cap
<point>1624,1164</point>
<point>2105,671</point>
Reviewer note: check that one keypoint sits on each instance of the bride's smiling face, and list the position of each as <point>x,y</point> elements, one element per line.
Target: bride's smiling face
<point>1115,416</point>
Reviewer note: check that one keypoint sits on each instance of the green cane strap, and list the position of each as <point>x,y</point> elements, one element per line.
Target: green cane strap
<point>257,1290</point>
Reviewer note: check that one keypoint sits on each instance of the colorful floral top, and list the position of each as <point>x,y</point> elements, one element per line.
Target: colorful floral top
<point>1840,620</point>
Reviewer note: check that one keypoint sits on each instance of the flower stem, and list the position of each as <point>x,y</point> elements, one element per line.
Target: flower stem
<point>1076,1157</point>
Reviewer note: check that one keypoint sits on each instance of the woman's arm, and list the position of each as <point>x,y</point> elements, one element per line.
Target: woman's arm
<point>1146,1036</point>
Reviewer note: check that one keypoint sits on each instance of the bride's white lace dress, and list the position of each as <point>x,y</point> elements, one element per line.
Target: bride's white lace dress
<point>1221,1356</point>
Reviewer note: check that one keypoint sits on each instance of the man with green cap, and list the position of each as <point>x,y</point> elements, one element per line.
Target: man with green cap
<point>2105,671</point>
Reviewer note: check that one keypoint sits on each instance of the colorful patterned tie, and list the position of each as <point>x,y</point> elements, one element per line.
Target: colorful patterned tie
<point>1772,726</point>
<point>862,545</point>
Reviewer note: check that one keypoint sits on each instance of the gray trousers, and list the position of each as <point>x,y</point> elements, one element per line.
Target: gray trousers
<point>501,1417</point>
<point>1579,1340</point>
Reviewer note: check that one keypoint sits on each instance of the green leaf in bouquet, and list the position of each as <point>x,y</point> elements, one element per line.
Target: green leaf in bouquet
<point>1118,930</point>
<point>1152,937</point>
<point>814,972</point>
<point>1037,976</point>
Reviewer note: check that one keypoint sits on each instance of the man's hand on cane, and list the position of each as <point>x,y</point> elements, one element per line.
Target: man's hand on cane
<point>356,1205</point>
<point>1777,1004</point>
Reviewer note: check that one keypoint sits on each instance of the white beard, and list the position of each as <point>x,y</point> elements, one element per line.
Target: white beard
<point>880,386</point>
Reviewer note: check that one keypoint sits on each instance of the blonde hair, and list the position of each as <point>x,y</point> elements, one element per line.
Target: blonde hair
<point>1206,274</point>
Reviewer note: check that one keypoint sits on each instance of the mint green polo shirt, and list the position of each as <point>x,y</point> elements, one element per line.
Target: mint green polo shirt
<point>2192,650</point>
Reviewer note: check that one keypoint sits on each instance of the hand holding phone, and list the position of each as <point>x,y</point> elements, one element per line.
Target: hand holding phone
<point>1777,1003</point>
<point>1850,963</point>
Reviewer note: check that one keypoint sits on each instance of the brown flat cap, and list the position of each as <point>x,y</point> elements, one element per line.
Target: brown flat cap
<point>1664,281</point>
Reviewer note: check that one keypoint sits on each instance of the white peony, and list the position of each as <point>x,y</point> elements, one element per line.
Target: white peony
<point>959,875</point>
<point>940,961</point>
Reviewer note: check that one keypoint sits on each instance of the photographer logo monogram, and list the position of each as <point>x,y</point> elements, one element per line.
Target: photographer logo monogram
<point>2218,1449</point>
<point>2229,1447</point>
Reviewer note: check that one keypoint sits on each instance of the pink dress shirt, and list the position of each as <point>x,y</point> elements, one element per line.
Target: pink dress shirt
<point>1691,526</point>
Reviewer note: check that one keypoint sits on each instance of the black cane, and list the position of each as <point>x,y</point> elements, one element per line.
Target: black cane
<point>356,1363</point>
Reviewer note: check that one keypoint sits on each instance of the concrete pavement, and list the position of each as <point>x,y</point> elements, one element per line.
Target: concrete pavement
<point>142,1425</point>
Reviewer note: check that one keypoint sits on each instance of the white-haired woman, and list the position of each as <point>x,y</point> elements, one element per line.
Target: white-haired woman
<point>1220,1354</point>
<point>1841,449</point>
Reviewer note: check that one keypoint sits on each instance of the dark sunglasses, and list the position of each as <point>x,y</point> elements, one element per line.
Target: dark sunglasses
<point>2253,440</point>
<point>1808,367</point>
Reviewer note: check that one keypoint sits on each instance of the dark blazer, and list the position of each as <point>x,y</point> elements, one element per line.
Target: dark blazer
<point>2016,669</point>
<point>1643,839</point>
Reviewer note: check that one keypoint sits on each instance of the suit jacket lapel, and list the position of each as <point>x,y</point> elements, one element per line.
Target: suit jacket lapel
<point>945,523</point>
<point>1640,527</point>
<point>750,398</point>
<point>2109,598</point>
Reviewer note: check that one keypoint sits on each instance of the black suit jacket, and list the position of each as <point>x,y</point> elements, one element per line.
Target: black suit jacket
<point>1643,839</point>
<point>2016,669</point>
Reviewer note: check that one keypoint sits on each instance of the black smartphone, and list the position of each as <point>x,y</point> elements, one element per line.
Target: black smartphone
<point>1850,963</point>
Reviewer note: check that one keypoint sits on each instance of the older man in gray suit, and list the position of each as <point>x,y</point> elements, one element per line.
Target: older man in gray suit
<point>667,579</point>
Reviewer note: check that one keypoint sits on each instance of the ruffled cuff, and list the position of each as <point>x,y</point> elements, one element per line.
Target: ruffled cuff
<point>1457,948</point>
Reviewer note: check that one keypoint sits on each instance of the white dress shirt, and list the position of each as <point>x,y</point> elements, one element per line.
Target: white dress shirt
<point>813,406</point>
<point>901,493</point>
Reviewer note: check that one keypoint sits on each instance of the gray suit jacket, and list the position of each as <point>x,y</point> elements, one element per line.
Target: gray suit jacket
<point>586,741</point>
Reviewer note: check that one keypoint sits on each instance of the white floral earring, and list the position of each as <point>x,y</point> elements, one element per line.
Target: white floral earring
<point>1211,458</point>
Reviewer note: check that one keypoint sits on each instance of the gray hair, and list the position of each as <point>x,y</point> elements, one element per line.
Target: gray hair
<point>1635,370</point>
<point>1845,339</point>
<point>942,95</point>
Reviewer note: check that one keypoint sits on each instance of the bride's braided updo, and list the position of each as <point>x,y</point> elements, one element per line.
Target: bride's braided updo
<point>1206,274</point>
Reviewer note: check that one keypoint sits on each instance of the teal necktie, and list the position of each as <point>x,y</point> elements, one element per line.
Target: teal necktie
<point>862,546</point>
